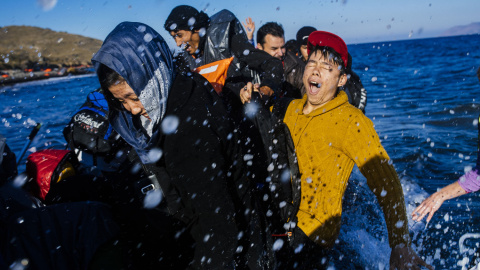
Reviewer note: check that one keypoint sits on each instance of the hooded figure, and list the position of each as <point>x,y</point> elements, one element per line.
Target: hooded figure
<point>144,51</point>
<point>180,130</point>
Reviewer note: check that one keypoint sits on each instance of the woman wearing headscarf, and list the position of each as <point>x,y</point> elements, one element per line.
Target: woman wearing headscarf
<point>186,145</point>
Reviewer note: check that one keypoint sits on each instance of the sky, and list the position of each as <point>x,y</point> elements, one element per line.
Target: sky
<point>356,21</point>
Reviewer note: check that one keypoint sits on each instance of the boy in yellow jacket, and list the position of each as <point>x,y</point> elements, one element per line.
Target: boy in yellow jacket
<point>330,137</point>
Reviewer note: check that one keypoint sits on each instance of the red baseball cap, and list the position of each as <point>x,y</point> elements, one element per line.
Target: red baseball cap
<point>322,38</point>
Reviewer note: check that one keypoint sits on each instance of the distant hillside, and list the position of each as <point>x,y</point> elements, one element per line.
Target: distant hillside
<point>27,47</point>
<point>470,29</point>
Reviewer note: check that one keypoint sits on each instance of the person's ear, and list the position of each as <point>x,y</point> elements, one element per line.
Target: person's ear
<point>259,46</point>
<point>342,81</point>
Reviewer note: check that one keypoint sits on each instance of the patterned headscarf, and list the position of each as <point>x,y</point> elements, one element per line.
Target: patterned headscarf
<point>141,56</point>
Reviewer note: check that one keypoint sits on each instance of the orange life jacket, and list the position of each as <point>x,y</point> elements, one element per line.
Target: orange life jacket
<point>216,73</point>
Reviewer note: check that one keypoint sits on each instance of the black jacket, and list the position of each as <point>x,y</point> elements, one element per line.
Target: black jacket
<point>293,71</point>
<point>205,164</point>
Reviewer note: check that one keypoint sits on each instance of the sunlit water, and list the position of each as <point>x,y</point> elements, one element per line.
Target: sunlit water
<point>423,96</point>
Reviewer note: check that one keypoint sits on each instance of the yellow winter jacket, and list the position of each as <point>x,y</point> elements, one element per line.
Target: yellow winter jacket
<point>329,142</point>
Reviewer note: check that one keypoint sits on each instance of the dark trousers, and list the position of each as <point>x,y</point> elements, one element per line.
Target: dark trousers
<point>301,253</point>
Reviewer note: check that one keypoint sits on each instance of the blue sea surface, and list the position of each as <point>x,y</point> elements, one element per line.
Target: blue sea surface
<point>424,99</point>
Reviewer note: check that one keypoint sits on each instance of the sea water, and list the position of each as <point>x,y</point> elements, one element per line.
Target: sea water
<point>424,99</point>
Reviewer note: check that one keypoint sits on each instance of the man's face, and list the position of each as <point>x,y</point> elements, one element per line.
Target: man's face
<point>275,46</point>
<point>321,79</point>
<point>188,39</point>
<point>304,52</point>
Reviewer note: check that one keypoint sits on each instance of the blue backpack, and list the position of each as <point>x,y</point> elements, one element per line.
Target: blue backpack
<point>89,129</point>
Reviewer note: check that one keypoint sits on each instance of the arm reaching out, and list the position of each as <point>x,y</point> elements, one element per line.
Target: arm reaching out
<point>249,25</point>
<point>433,203</point>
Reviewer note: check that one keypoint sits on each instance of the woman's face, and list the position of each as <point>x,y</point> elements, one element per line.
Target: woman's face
<point>125,95</point>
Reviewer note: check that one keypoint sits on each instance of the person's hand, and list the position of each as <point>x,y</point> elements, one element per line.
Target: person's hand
<point>246,93</point>
<point>433,203</point>
<point>249,25</point>
<point>404,257</point>
<point>265,90</point>
<point>429,205</point>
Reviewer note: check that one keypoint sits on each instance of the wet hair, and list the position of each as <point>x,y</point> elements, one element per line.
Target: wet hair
<point>271,28</point>
<point>187,18</point>
<point>291,46</point>
<point>107,78</point>
<point>331,55</point>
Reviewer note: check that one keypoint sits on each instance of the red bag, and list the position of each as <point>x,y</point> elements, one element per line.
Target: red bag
<point>47,166</point>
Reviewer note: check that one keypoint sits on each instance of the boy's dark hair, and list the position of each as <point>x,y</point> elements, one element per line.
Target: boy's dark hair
<point>330,54</point>
<point>271,28</point>
<point>108,77</point>
<point>291,46</point>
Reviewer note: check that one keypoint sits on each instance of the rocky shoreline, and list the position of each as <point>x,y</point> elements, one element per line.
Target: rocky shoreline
<point>9,77</point>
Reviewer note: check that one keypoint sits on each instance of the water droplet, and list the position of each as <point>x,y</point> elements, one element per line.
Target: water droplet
<point>155,154</point>
<point>299,249</point>
<point>47,5</point>
<point>148,37</point>
<point>206,238</point>
<point>141,28</point>
<point>278,244</point>
<point>247,157</point>
<point>20,180</point>
<point>202,32</point>
<point>136,168</point>
<point>285,176</point>
<point>251,109</point>
<point>19,264</point>
<point>152,199</point>
<point>170,124</point>
<point>270,167</point>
